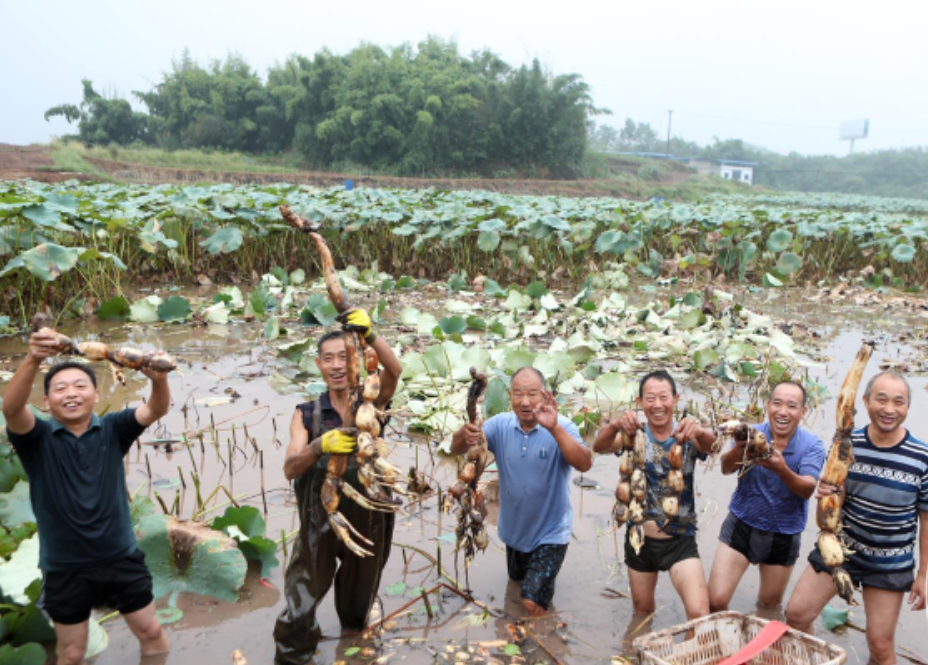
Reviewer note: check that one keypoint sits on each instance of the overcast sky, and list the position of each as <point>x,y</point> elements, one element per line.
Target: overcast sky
<point>780,74</point>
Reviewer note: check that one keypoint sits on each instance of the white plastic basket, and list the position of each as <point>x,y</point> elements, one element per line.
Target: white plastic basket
<point>723,634</point>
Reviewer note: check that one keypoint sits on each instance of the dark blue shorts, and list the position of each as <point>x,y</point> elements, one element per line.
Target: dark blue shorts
<point>759,546</point>
<point>864,577</point>
<point>537,570</point>
<point>123,585</point>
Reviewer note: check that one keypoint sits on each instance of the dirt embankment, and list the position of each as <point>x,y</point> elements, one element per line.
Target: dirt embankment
<point>35,162</point>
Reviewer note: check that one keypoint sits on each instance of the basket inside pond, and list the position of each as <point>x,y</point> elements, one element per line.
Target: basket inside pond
<point>723,634</point>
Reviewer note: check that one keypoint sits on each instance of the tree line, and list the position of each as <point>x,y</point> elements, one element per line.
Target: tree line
<point>902,172</point>
<point>405,109</point>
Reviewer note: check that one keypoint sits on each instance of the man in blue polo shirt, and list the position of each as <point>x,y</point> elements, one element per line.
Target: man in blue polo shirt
<point>535,449</point>
<point>770,506</point>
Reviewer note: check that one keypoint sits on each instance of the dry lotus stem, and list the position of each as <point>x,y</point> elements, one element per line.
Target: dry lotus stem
<point>835,472</point>
<point>471,531</point>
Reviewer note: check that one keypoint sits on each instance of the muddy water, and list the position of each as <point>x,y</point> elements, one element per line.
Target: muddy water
<point>591,622</point>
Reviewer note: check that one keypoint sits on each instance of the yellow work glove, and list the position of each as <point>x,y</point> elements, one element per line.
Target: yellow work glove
<point>338,442</point>
<point>360,321</point>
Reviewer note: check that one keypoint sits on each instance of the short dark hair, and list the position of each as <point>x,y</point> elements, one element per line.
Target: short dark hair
<point>329,336</point>
<point>69,364</point>
<point>658,375</point>
<point>891,373</point>
<point>790,382</point>
<point>529,368</point>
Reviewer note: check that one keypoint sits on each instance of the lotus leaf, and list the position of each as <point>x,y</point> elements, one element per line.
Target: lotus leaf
<point>28,654</point>
<point>145,310</point>
<point>15,506</point>
<point>488,241</point>
<point>175,308</point>
<point>788,263</point>
<point>17,574</point>
<point>517,301</point>
<point>452,324</point>
<point>779,241</point>
<point>190,556</point>
<point>114,309</point>
<point>903,253</point>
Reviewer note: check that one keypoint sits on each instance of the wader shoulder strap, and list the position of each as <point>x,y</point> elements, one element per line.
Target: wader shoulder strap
<point>316,431</point>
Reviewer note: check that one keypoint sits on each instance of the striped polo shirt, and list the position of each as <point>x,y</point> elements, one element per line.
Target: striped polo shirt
<point>886,489</point>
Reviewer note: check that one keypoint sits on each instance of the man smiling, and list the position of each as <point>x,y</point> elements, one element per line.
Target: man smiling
<point>769,508</point>
<point>87,547</point>
<point>885,514</point>
<point>535,450</point>
<point>670,541</point>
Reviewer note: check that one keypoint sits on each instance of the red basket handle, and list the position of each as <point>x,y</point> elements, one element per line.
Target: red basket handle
<point>773,631</point>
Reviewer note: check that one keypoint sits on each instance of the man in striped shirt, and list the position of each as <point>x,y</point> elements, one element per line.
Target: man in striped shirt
<point>885,513</point>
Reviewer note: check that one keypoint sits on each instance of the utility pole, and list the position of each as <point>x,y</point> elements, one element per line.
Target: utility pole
<point>669,123</point>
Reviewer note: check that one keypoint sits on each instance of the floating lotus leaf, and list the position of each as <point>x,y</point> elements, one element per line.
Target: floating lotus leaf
<point>452,324</point>
<point>114,309</point>
<point>175,308</point>
<point>319,310</point>
<point>190,556</point>
<point>145,310</point>
<point>246,525</point>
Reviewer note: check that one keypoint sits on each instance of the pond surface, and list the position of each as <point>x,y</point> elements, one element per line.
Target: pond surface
<point>225,380</point>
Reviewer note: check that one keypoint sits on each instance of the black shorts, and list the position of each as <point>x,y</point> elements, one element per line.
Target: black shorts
<point>124,585</point>
<point>864,577</point>
<point>759,546</point>
<point>537,570</point>
<point>660,554</point>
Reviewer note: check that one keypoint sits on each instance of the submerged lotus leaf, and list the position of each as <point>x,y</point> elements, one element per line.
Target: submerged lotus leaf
<point>20,571</point>
<point>15,506</point>
<point>190,556</point>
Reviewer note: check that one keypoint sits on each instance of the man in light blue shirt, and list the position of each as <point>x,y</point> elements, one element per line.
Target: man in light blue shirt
<point>535,450</point>
<point>770,506</point>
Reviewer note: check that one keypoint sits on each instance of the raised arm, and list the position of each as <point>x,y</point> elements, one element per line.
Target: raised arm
<point>19,419</point>
<point>390,375</point>
<point>577,455</point>
<point>159,402</point>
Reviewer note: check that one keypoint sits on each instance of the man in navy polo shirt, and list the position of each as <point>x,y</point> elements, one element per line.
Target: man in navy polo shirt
<point>770,506</point>
<point>535,449</point>
<point>77,484</point>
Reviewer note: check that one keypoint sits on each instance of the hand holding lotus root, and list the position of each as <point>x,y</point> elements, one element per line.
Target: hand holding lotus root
<point>120,357</point>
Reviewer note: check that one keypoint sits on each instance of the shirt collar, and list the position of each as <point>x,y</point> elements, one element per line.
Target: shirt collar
<point>517,425</point>
<point>57,426</point>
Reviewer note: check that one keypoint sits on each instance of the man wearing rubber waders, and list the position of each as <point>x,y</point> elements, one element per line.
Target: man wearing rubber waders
<point>885,520</point>
<point>535,449</point>
<point>661,534</point>
<point>87,548</point>
<point>770,506</point>
<point>319,557</point>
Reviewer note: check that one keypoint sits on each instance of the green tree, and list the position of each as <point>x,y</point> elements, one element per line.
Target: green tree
<point>103,120</point>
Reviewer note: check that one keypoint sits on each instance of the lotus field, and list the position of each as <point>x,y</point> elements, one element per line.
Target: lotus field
<point>591,292</point>
<point>74,247</point>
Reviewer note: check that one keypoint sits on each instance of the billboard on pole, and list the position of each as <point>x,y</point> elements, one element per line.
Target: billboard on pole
<point>853,129</point>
